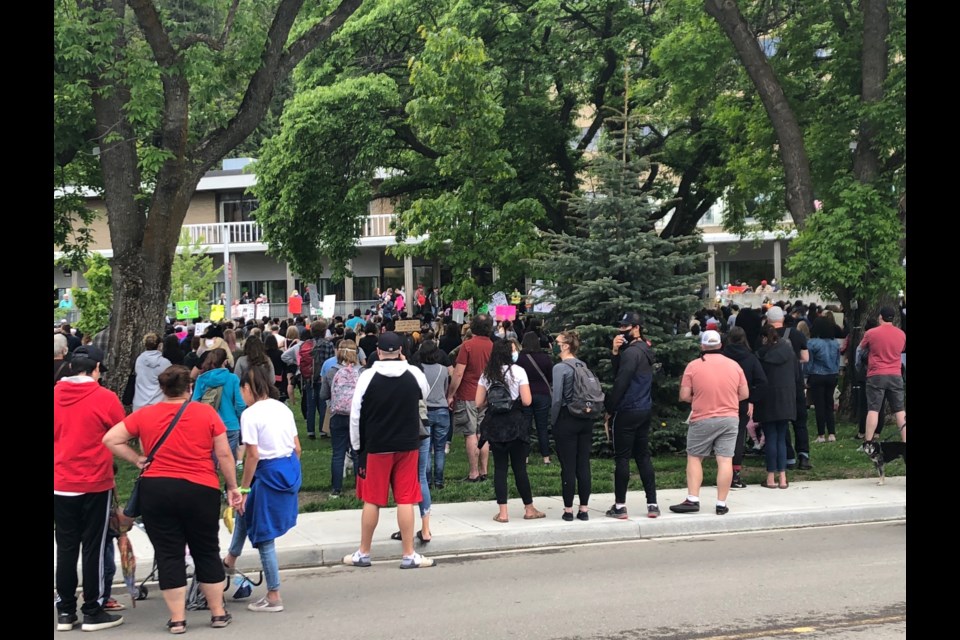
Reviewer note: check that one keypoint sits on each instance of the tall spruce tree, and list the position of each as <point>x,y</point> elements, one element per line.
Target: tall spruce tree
<point>615,261</point>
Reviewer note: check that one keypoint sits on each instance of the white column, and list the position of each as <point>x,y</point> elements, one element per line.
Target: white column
<point>228,269</point>
<point>711,271</point>
<point>234,292</point>
<point>408,284</point>
<point>348,288</point>
<point>777,259</point>
<point>290,281</point>
<point>495,273</point>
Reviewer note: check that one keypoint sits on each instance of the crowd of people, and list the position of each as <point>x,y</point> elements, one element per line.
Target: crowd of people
<point>220,403</point>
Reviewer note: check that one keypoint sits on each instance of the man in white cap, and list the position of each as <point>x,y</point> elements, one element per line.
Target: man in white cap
<point>714,385</point>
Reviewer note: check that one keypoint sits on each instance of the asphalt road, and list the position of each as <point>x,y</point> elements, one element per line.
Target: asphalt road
<point>811,583</point>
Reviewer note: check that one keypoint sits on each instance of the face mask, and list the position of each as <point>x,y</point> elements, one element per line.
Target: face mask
<point>211,342</point>
<point>556,349</point>
<point>626,335</point>
<point>514,356</point>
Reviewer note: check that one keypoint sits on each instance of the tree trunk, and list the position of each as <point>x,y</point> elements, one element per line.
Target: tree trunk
<point>793,153</point>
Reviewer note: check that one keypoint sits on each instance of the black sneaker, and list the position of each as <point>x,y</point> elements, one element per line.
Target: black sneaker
<point>737,483</point>
<point>804,463</point>
<point>583,515</point>
<point>101,620</point>
<point>653,511</point>
<point>66,621</point>
<point>619,514</point>
<point>567,516</point>
<point>685,507</point>
<point>722,510</point>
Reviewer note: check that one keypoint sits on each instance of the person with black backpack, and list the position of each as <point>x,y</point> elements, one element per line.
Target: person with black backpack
<point>502,389</point>
<point>629,408</point>
<point>573,414</point>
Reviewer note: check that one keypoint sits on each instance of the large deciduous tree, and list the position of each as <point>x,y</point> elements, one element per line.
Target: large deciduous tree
<point>158,94</point>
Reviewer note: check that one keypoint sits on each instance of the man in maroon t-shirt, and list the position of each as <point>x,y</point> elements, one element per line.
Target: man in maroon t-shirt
<point>884,345</point>
<point>462,394</point>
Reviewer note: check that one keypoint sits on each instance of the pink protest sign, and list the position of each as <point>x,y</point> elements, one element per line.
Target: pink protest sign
<point>506,312</point>
<point>461,304</point>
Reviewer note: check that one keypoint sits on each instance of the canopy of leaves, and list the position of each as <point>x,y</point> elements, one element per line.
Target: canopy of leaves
<point>96,301</point>
<point>193,275</point>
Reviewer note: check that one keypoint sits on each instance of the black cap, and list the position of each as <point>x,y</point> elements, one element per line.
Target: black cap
<point>629,319</point>
<point>389,342</point>
<point>888,314</point>
<point>213,331</point>
<point>90,352</point>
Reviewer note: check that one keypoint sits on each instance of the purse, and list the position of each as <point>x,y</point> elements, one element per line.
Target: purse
<point>132,509</point>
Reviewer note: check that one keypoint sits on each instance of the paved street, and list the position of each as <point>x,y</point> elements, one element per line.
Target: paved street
<point>810,581</point>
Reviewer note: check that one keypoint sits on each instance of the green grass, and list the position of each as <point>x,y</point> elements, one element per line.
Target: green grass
<point>832,460</point>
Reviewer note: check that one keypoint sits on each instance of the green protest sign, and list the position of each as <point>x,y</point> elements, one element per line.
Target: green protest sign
<point>188,309</point>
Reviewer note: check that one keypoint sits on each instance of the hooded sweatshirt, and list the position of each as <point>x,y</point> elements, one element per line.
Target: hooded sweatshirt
<point>385,416</point>
<point>83,412</point>
<point>150,364</point>
<point>231,402</point>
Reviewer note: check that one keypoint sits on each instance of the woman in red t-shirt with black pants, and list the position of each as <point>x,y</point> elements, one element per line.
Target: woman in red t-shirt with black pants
<point>180,491</point>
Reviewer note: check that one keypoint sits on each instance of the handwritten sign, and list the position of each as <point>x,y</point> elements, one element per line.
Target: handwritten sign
<point>407,326</point>
<point>461,304</point>
<point>188,309</point>
<point>216,312</point>
<point>262,310</point>
<point>246,311</point>
<point>505,312</point>
<point>329,303</point>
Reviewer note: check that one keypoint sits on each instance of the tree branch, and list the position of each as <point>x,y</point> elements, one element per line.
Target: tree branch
<point>216,44</point>
<point>406,135</point>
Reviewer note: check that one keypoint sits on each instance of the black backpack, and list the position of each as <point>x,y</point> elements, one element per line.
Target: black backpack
<point>586,396</point>
<point>498,398</point>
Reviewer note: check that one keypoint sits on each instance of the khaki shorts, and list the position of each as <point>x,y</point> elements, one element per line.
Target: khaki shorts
<point>466,417</point>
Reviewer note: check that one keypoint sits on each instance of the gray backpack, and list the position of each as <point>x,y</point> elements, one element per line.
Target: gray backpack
<point>586,397</point>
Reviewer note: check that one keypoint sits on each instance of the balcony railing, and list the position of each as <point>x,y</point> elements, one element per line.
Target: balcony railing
<point>375,226</point>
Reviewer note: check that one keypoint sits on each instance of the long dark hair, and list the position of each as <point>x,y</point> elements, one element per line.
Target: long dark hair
<point>255,351</point>
<point>260,384</point>
<point>500,357</point>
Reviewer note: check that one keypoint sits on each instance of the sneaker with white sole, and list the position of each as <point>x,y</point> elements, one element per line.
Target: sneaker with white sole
<point>66,621</point>
<point>265,605</point>
<point>101,620</point>
<point>416,561</point>
<point>356,559</point>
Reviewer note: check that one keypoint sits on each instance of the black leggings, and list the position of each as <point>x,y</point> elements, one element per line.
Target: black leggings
<point>741,440</point>
<point>515,452</point>
<point>574,440</point>
<point>821,392</point>
<point>177,513</point>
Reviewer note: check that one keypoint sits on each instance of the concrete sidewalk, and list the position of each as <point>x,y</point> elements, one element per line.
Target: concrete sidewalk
<point>324,538</point>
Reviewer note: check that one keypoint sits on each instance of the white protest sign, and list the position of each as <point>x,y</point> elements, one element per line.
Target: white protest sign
<point>329,303</point>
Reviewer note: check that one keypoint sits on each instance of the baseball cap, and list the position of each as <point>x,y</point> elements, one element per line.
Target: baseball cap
<point>389,342</point>
<point>712,322</point>
<point>89,352</point>
<point>888,314</point>
<point>775,314</point>
<point>710,338</point>
<point>629,319</point>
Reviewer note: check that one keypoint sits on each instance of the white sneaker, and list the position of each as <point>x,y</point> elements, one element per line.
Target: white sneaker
<point>417,561</point>
<point>355,559</point>
<point>265,605</point>
<point>446,449</point>
<point>821,439</point>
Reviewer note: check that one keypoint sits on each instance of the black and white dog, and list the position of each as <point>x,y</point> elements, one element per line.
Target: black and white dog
<point>883,452</point>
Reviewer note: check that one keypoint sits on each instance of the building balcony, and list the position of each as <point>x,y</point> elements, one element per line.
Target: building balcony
<point>248,235</point>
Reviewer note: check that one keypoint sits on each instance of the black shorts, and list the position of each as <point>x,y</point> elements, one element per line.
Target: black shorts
<point>889,386</point>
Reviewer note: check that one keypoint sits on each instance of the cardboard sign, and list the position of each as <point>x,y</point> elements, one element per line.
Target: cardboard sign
<point>458,315</point>
<point>329,303</point>
<point>505,312</point>
<point>216,312</point>
<point>407,326</point>
<point>188,309</point>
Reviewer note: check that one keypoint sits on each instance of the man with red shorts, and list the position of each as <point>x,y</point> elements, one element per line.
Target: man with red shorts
<point>385,433</point>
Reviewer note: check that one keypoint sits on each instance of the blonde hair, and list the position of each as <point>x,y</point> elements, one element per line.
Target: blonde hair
<point>60,347</point>
<point>572,338</point>
<point>347,352</point>
<point>293,333</point>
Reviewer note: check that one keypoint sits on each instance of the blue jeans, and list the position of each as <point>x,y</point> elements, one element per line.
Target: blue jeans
<point>425,501</point>
<point>340,446</point>
<point>539,413</point>
<point>314,406</point>
<point>776,445</point>
<point>109,565</point>
<point>268,553</point>
<point>439,430</point>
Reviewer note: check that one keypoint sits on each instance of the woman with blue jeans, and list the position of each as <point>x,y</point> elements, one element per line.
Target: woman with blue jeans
<point>338,386</point>
<point>270,483</point>
<point>778,402</point>
<point>438,415</point>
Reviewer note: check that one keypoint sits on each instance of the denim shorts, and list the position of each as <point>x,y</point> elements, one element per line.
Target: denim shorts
<point>718,435</point>
<point>889,386</point>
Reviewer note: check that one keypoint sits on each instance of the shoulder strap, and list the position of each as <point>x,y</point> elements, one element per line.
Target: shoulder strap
<point>537,367</point>
<point>166,433</point>
<point>439,375</point>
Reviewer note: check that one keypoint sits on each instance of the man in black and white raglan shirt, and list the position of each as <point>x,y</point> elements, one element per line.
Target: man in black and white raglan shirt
<point>385,433</point>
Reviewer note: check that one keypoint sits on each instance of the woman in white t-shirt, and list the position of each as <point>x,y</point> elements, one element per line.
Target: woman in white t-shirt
<point>270,483</point>
<point>503,425</point>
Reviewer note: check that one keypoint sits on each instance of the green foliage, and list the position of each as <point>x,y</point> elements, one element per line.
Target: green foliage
<point>615,262</point>
<point>96,301</point>
<point>852,244</point>
<point>314,179</point>
<point>193,275</point>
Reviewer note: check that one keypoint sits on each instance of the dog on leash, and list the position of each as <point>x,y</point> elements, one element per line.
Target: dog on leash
<point>883,452</point>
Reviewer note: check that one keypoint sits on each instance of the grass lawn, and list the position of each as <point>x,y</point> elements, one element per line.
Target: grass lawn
<point>831,460</point>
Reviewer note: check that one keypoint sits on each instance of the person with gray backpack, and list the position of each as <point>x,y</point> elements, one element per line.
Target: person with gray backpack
<point>629,409</point>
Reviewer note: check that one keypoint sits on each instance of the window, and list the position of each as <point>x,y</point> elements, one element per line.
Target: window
<point>326,287</point>
<point>237,208</point>
<point>364,287</point>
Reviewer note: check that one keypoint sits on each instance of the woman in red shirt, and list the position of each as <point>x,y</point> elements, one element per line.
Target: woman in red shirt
<point>180,491</point>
